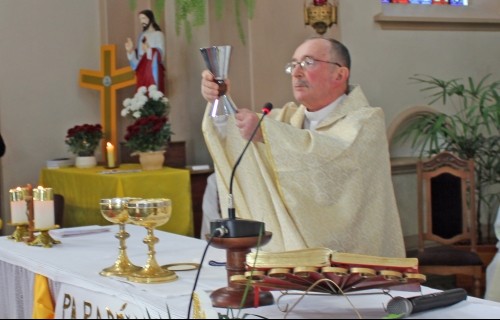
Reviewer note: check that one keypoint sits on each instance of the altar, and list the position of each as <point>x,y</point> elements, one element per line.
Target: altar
<point>83,189</point>
<point>76,262</point>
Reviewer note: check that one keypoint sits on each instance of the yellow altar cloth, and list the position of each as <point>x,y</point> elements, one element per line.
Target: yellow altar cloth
<point>83,189</point>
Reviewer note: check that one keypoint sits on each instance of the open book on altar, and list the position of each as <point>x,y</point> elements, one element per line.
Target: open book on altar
<point>330,271</point>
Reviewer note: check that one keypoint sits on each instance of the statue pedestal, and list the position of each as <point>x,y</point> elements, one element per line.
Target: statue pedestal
<point>232,295</point>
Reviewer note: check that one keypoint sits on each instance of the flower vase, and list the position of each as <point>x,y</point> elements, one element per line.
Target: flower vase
<point>152,160</point>
<point>85,161</point>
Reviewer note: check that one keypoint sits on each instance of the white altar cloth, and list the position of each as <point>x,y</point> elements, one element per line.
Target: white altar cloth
<point>78,260</point>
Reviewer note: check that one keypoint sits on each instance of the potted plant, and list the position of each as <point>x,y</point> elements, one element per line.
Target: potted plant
<point>472,132</point>
<point>149,134</point>
<point>82,141</point>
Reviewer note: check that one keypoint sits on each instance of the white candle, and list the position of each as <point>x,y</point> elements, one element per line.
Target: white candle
<point>43,207</point>
<point>18,207</point>
<point>110,152</point>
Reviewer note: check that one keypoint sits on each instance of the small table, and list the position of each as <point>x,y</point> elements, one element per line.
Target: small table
<point>83,189</point>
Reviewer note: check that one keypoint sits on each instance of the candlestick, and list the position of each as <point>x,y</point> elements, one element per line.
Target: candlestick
<point>31,216</point>
<point>43,239</point>
<point>110,156</point>
<point>18,207</point>
<point>43,206</point>
<point>20,233</point>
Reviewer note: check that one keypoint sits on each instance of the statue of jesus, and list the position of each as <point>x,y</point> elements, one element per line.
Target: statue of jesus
<point>147,59</point>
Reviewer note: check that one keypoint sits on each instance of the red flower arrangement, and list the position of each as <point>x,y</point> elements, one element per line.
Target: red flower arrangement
<point>84,139</point>
<point>149,133</point>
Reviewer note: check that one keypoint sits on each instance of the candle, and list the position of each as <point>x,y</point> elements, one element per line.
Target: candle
<point>18,207</point>
<point>43,207</point>
<point>110,152</point>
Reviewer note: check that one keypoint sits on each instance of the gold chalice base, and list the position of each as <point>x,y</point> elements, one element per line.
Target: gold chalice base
<point>152,275</point>
<point>120,269</point>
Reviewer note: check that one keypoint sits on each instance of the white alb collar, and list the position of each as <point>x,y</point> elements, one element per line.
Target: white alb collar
<point>313,118</point>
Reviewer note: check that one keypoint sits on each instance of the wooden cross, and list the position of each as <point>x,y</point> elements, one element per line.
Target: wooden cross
<point>108,80</point>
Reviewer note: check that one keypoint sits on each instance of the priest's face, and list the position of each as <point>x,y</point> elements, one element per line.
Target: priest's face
<point>314,74</point>
<point>144,21</point>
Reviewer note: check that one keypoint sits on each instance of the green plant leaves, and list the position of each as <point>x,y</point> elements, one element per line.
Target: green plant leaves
<point>472,131</point>
<point>188,14</point>
<point>191,13</point>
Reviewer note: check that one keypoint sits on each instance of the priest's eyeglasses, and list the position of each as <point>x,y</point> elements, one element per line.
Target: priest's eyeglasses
<point>306,64</point>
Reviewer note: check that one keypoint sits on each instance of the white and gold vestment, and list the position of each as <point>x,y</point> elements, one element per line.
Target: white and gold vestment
<point>330,187</point>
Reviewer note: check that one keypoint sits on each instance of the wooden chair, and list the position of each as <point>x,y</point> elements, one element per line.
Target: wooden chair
<point>446,217</point>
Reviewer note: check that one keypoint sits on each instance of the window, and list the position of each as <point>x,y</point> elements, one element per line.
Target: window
<point>463,15</point>
<point>430,2</point>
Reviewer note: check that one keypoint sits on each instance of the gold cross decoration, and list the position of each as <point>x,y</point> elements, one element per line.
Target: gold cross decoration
<point>108,80</point>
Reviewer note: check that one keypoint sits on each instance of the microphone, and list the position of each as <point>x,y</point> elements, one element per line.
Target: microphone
<point>400,305</point>
<point>235,228</point>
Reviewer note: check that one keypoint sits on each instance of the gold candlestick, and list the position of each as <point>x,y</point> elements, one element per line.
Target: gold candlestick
<point>20,232</point>
<point>31,216</point>
<point>115,210</point>
<point>151,213</point>
<point>43,239</point>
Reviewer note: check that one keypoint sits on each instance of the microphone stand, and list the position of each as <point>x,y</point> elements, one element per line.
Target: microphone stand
<point>233,227</point>
<point>237,236</point>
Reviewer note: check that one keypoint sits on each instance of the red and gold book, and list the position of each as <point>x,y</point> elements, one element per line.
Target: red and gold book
<point>328,271</point>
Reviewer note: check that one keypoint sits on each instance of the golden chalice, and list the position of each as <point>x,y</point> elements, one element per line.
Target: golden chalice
<point>151,213</point>
<point>115,210</point>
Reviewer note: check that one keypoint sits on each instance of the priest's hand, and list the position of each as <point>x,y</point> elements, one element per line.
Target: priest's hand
<point>210,88</point>
<point>246,121</point>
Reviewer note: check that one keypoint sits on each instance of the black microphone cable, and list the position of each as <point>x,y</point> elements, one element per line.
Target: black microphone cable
<point>219,233</point>
<point>265,110</point>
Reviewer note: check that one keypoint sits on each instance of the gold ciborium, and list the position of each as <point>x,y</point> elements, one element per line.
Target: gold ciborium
<point>115,210</point>
<point>151,213</point>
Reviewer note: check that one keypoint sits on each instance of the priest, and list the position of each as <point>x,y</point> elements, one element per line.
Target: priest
<point>317,173</point>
